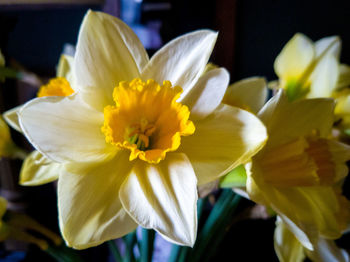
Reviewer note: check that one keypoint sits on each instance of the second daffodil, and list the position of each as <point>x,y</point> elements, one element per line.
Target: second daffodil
<point>300,171</point>
<point>139,135</point>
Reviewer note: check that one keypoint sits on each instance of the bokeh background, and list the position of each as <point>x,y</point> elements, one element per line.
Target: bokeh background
<point>33,34</point>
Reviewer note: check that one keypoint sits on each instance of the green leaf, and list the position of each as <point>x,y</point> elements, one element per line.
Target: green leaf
<point>236,178</point>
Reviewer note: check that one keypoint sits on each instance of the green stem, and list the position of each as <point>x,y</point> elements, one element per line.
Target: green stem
<point>115,251</point>
<point>63,254</point>
<point>147,244</point>
<point>216,222</point>
<point>129,241</point>
<point>9,73</point>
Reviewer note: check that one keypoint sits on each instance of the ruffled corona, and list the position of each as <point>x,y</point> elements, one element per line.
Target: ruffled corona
<point>146,119</point>
<point>58,86</point>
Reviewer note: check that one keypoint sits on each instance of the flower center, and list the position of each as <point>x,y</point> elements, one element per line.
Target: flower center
<point>58,86</point>
<point>302,162</point>
<point>146,119</point>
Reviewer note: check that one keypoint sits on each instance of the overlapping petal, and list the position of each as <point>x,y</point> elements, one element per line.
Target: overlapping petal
<point>249,94</point>
<point>225,139</point>
<point>38,170</point>
<point>65,129</point>
<point>207,94</point>
<point>90,211</point>
<point>164,197</point>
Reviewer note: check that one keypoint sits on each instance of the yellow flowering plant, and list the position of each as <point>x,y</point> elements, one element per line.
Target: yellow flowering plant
<point>139,135</point>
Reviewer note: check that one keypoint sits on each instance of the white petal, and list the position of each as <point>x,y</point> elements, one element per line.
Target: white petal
<point>207,94</point>
<point>164,197</point>
<point>225,139</point>
<point>328,45</point>
<point>38,170</point>
<point>107,52</point>
<point>324,78</point>
<point>65,68</point>
<point>182,60</point>
<point>11,118</point>
<point>65,129</point>
<point>90,211</point>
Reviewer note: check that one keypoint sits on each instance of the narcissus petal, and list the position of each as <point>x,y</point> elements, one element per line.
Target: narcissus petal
<point>182,60</point>
<point>108,52</point>
<point>164,197</point>
<point>223,140</point>
<point>65,129</point>
<point>38,170</point>
<point>207,94</point>
<point>90,211</point>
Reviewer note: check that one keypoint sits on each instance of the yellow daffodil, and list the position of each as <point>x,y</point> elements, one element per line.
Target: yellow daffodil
<point>299,172</point>
<point>139,135</point>
<point>289,249</point>
<point>36,168</point>
<point>307,69</point>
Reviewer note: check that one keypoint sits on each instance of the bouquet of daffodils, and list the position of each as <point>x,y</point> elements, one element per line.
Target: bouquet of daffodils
<point>139,142</point>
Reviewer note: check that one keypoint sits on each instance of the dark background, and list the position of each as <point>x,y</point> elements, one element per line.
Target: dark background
<point>251,34</point>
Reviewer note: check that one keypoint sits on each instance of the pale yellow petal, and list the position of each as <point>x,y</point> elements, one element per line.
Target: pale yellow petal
<point>249,94</point>
<point>90,211</point>
<point>225,139</point>
<point>108,52</point>
<point>65,129</point>
<point>328,45</point>
<point>294,58</point>
<point>324,78</point>
<point>286,120</point>
<point>164,197</point>
<point>207,94</point>
<point>37,170</point>
<point>287,246</point>
<point>182,60</point>
<point>11,118</point>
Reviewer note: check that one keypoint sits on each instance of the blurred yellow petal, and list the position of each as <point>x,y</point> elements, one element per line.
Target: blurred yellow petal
<point>164,197</point>
<point>38,170</point>
<point>324,77</point>
<point>326,250</point>
<point>294,58</point>
<point>3,207</point>
<point>249,94</point>
<point>90,211</point>
<point>224,140</point>
<point>287,246</point>
<point>328,45</point>
<point>344,76</point>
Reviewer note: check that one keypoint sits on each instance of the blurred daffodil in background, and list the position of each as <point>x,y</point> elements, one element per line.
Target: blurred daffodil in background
<point>139,135</point>
<point>300,171</point>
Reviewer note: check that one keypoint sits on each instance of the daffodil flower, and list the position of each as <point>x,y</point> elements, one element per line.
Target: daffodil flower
<point>139,135</point>
<point>289,249</point>
<point>300,170</point>
<point>307,69</point>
